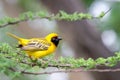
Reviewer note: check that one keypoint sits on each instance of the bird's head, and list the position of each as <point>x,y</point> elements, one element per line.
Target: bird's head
<point>54,38</point>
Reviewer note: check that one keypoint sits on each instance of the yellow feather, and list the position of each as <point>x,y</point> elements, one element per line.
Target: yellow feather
<point>14,36</point>
<point>20,40</point>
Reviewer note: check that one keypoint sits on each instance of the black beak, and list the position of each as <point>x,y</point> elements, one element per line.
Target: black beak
<point>59,38</point>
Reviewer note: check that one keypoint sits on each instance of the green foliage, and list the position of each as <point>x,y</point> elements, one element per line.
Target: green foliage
<point>6,63</point>
<point>13,62</point>
<point>59,16</point>
<point>73,17</point>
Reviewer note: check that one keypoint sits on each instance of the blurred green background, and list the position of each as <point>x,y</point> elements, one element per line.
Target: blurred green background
<point>108,27</point>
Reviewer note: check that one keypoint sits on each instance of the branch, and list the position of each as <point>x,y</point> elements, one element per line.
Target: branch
<point>70,71</point>
<point>48,65</point>
<point>11,23</point>
<point>10,58</point>
<point>19,20</point>
<point>41,15</point>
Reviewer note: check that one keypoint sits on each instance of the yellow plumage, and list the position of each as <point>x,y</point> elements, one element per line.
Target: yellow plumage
<point>38,47</point>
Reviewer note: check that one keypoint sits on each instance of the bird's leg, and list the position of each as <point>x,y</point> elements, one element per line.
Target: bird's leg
<point>33,59</point>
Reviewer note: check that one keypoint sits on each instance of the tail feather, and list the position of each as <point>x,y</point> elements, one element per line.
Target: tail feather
<point>14,36</point>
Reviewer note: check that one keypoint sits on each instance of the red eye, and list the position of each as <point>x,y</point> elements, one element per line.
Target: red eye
<point>20,45</point>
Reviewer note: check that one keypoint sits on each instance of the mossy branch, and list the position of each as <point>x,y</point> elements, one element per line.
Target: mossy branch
<point>69,71</point>
<point>41,15</point>
<point>14,61</point>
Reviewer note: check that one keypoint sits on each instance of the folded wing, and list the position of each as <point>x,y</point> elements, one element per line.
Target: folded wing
<point>36,45</point>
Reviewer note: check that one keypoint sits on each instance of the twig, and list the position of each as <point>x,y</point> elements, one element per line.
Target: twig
<point>59,16</point>
<point>19,21</point>
<point>49,65</point>
<point>75,71</point>
<point>11,23</point>
<point>70,71</point>
<point>108,10</point>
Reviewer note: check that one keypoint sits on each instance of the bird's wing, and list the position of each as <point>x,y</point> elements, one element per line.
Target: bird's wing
<point>36,45</point>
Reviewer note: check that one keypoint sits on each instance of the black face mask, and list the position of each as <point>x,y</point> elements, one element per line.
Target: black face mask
<point>56,40</point>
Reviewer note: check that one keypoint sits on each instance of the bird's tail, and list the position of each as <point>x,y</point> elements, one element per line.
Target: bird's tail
<point>14,36</point>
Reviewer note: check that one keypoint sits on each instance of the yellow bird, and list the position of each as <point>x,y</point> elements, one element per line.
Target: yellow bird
<point>38,47</point>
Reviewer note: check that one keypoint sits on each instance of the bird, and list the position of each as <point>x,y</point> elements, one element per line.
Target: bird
<point>38,47</point>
